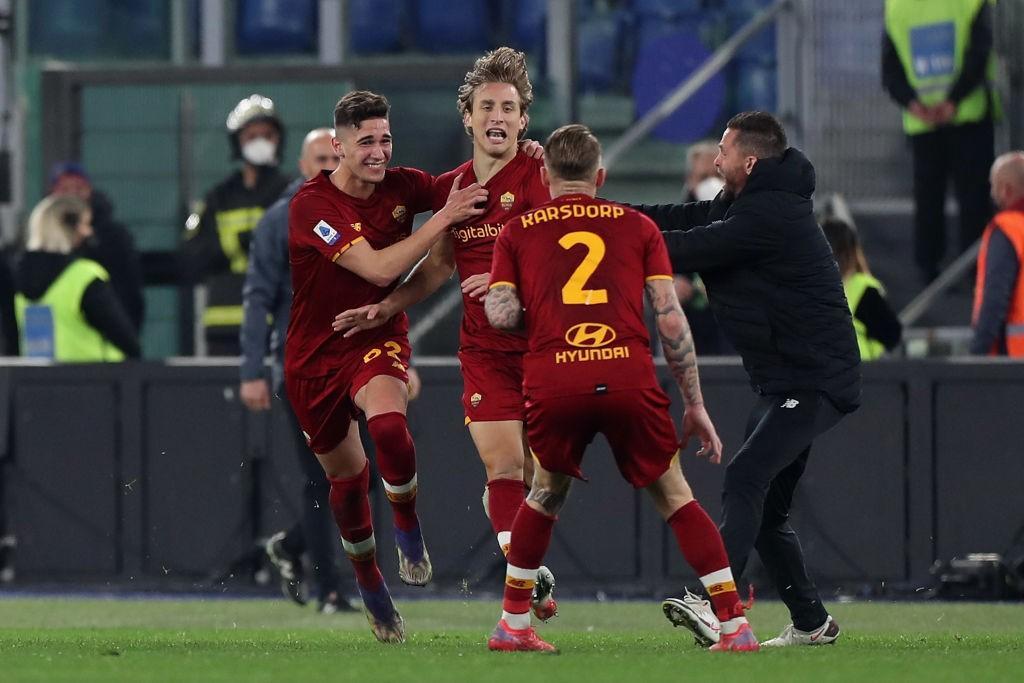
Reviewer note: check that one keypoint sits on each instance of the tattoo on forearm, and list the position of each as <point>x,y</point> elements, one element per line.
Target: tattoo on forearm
<point>503,309</point>
<point>676,340</point>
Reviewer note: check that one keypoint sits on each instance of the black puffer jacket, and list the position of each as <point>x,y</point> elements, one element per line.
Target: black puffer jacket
<point>772,280</point>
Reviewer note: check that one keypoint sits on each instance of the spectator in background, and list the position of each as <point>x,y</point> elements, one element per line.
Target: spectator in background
<point>938,65</point>
<point>267,296</point>
<point>876,324</point>
<point>112,244</point>
<point>216,250</point>
<point>998,317</point>
<point>702,184</point>
<point>66,308</point>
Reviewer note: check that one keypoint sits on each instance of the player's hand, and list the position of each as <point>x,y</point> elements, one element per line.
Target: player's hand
<point>415,383</point>
<point>475,286</point>
<point>697,423</point>
<point>464,203</point>
<point>255,394</point>
<point>363,318</point>
<point>532,148</point>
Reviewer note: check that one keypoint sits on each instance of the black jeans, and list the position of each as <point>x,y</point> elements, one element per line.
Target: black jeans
<point>315,533</point>
<point>964,153</point>
<point>758,493</point>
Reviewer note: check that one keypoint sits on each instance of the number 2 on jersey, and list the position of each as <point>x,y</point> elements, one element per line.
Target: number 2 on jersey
<point>572,291</point>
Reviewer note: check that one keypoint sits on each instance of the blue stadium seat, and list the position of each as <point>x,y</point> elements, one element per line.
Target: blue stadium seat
<point>529,23</point>
<point>598,46</point>
<point>668,10</point>
<point>66,28</point>
<point>265,27</point>
<point>375,26</point>
<point>444,27</point>
<point>761,47</point>
<point>661,64</point>
<point>756,87</point>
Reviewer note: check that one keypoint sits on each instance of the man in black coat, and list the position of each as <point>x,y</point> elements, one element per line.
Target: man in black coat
<point>775,288</point>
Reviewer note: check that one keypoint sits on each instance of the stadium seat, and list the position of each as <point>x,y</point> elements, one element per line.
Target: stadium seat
<point>655,75</point>
<point>668,10</point>
<point>442,28</point>
<point>598,46</point>
<point>755,86</point>
<point>375,26</point>
<point>761,47</point>
<point>529,23</point>
<point>66,28</point>
<point>266,27</point>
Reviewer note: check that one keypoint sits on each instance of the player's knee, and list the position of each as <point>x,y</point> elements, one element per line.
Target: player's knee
<point>390,432</point>
<point>739,476</point>
<point>549,500</point>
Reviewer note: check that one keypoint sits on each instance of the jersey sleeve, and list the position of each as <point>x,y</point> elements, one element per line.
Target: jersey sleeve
<point>504,268</point>
<point>316,223</point>
<point>657,265</point>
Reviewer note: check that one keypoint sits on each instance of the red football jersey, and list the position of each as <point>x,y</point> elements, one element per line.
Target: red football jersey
<point>512,190</point>
<point>579,266</point>
<point>323,222</point>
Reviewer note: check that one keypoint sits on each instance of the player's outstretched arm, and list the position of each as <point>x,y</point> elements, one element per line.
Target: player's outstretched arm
<point>677,344</point>
<point>425,279</point>
<point>383,266</point>
<point>503,309</point>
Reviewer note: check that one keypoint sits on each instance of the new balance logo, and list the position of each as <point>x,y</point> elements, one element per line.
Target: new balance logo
<point>790,403</point>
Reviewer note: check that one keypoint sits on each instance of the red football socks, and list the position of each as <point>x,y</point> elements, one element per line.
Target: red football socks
<point>531,536</point>
<point>703,549</point>
<point>504,496</point>
<point>396,460</point>
<point>351,507</point>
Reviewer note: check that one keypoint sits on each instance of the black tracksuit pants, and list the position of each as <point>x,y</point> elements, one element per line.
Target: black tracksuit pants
<point>758,493</point>
<point>965,154</point>
<point>315,533</point>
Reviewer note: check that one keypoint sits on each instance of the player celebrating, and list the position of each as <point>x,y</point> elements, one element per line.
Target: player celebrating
<point>350,238</point>
<point>494,101</point>
<point>579,266</point>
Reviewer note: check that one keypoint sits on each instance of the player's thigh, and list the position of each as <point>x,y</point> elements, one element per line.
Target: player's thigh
<point>380,379</point>
<point>500,445</point>
<point>323,409</point>
<point>641,433</point>
<point>559,430</point>
<point>347,459</point>
<point>492,385</point>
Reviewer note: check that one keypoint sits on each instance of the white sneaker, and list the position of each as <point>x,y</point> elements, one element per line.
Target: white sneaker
<point>695,614</point>
<point>823,635</point>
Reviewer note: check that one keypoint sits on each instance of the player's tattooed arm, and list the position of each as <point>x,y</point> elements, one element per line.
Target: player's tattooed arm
<point>676,339</point>
<point>503,308</point>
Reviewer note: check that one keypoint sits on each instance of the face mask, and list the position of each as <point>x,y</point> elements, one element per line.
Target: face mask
<point>260,152</point>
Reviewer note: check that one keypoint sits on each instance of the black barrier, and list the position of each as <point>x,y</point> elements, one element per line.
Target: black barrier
<point>157,471</point>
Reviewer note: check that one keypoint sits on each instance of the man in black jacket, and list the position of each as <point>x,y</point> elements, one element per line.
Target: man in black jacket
<point>775,289</point>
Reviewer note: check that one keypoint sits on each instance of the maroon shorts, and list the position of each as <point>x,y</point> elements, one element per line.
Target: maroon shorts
<point>492,385</point>
<point>636,423</point>
<point>325,406</point>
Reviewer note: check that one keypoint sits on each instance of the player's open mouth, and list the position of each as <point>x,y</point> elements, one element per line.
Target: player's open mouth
<point>496,135</point>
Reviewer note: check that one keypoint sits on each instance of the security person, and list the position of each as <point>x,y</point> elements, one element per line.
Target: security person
<point>938,65</point>
<point>65,306</point>
<point>999,291</point>
<point>216,249</point>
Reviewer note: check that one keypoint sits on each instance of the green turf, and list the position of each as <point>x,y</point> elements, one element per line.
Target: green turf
<point>257,640</point>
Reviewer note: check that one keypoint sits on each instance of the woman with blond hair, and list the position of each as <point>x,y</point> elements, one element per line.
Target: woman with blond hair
<point>876,324</point>
<point>65,306</point>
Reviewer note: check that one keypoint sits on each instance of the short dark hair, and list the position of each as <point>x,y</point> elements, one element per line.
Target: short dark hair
<point>359,105</point>
<point>572,153</point>
<point>759,134</point>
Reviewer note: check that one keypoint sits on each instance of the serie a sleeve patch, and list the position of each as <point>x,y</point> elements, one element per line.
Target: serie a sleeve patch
<point>325,232</point>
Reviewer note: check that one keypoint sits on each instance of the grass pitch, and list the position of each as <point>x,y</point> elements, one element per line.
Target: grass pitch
<point>251,641</point>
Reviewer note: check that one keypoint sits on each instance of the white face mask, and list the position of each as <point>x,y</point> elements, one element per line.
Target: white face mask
<point>260,152</point>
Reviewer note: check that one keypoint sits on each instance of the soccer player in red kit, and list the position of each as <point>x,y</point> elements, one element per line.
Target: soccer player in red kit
<point>349,239</point>
<point>494,101</point>
<point>579,266</point>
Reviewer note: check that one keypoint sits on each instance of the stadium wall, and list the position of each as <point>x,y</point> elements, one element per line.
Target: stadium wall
<point>156,472</point>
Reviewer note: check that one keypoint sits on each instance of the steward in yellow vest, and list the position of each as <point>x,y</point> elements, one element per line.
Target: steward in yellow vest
<point>938,66</point>
<point>65,307</point>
